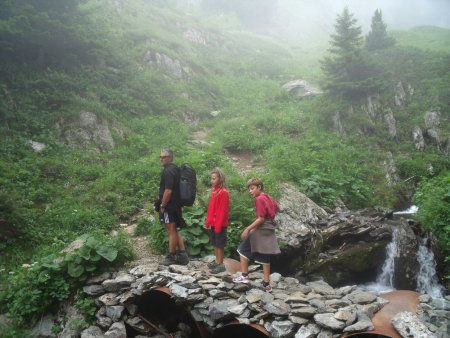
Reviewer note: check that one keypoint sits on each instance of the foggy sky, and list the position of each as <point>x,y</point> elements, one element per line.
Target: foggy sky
<point>299,15</point>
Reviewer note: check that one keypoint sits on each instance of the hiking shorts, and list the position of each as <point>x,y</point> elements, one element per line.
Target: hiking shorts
<point>218,239</point>
<point>245,250</point>
<point>172,216</point>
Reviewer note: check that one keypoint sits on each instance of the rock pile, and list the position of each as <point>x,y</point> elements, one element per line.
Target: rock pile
<point>292,309</point>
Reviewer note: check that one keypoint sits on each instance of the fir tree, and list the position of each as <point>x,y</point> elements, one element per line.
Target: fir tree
<point>378,38</point>
<point>347,70</point>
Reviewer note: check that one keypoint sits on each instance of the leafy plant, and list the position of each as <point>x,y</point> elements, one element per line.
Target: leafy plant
<point>433,200</point>
<point>194,234</point>
<point>34,288</point>
<point>86,305</point>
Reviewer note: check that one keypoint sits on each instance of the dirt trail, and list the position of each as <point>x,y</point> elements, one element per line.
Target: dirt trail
<point>243,162</point>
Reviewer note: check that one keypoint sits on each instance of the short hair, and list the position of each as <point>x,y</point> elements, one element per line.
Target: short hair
<point>221,176</point>
<point>168,152</point>
<point>255,181</point>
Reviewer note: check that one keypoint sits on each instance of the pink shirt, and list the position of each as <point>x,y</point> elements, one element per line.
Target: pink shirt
<point>266,206</point>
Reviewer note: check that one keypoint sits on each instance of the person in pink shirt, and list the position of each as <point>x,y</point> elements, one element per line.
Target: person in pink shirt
<point>259,240</point>
<point>217,219</point>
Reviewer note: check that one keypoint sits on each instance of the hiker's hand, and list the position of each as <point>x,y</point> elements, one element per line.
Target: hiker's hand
<point>244,233</point>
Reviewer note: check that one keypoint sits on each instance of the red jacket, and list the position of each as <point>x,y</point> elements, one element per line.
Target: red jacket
<point>218,209</point>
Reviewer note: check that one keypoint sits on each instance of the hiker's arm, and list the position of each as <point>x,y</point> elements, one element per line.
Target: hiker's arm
<point>258,221</point>
<point>166,198</point>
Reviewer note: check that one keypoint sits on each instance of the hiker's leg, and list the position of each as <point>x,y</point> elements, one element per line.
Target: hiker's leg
<point>173,236</point>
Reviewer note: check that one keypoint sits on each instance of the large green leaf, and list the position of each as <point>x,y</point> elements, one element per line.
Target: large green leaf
<point>109,254</point>
<point>75,270</point>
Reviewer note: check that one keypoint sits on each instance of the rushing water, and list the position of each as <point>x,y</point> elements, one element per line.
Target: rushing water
<point>427,281</point>
<point>385,280</point>
<point>412,210</point>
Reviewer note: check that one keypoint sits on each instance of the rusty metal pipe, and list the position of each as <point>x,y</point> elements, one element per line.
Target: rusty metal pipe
<point>241,330</point>
<point>400,300</point>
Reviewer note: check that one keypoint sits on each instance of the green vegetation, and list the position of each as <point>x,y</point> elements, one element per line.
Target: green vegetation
<point>34,288</point>
<point>433,200</point>
<point>152,75</point>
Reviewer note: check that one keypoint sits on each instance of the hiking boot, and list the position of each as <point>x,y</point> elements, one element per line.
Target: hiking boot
<point>218,268</point>
<point>267,287</point>
<point>182,258</point>
<point>169,259</point>
<point>241,279</point>
<point>211,265</point>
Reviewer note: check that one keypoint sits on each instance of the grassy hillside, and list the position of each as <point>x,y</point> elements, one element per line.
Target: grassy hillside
<point>153,74</point>
<point>429,38</point>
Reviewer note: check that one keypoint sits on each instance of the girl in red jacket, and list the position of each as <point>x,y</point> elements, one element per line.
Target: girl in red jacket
<point>217,218</point>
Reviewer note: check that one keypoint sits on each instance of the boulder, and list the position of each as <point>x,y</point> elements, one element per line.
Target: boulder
<point>301,88</point>
<point>419,142</point>
<point>86,132</point>
<point>409,325</point>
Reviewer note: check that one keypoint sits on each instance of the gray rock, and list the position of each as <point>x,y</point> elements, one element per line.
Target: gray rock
<point>92,332</point>
<point>278,307</point>
<point>321,287</point>
<point>337,124</point>
<point>409,325</point>
<point>308,331</point>
<point>172,67</point>
<point>363,323</point>
<point>373,108</point>
<point>281,329</point>
<point>361,297</point>
<point>114,312</point>
<point>36,146</point>
<point>219,311</point>
<point>301,88</point>
<point>400,95</point>
<point>117,330</point>
<point>328,321</point>
<point>44,327</point>
<point>390,122</point>
<point>108,299</point>
<point>94,290</point>
<point>304,312</point>
<point>419,141</point>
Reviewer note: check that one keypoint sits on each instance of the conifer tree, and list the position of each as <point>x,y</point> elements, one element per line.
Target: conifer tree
<point>347,71</point>
<point>378,38</point>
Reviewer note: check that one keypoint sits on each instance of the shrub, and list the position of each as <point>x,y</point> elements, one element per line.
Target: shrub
<point>34,288</point>
<point>433,200</point>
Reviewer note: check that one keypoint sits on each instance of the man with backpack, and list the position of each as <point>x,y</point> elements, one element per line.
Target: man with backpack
<point>169,208</point>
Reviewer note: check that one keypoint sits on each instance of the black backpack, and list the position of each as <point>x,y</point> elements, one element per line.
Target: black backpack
<point>188,185</point>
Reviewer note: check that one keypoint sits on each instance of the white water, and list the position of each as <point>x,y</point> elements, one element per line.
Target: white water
<point>412,210</point>
<point>427,281</point>
<point>385,280</point>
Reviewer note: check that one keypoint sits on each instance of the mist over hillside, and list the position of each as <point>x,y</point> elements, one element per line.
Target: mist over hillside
<point>307,20</point>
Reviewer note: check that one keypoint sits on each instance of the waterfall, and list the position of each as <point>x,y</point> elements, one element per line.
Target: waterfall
<point>386,277</point>
<point>385,280</point>
<point>427,281</point>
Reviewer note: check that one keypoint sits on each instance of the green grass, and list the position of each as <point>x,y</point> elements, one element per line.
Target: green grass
<point>429,38</point>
